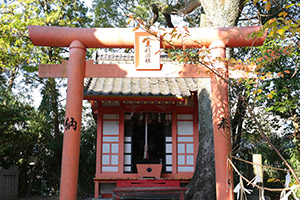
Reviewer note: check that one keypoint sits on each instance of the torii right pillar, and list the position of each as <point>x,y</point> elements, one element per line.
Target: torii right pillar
<point>220,111</point>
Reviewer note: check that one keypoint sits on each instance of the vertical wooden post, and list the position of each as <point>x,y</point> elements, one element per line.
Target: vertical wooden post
<point>220,108</point>
<point>98,149</point>
<point>72,124</point>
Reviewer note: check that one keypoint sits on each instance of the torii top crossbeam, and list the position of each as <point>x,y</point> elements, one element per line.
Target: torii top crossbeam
<point>78,39</point>
<point>124,37</point>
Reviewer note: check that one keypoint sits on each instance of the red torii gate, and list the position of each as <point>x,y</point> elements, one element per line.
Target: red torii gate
<point>78,39</point>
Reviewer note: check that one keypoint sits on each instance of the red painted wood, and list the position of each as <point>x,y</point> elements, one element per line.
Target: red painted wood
<point>196,129</point>
<point>124,37</point>
<point>99,139</point>
<point>125,70</point>
<point>98,148</point>
<point>121,142</point>
<point>150,108</point>
<point>148,188</point>
<point>147,108</point>
<point>222,140</point>
<point>155,173</point>
<point>72,128</point>
<point>174,143</point>
<point>106,195</point>
<point>148,183</point>
<point>128,70</point>
<point>116,175</point>
<point>97,189</point>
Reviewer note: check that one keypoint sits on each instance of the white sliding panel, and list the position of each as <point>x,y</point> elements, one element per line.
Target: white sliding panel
<point>110,143</point>
<point>185,143</point>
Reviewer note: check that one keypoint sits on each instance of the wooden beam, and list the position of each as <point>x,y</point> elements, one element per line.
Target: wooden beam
<point>124,37</point>
<point>128,70</point>
<point>124,70</point>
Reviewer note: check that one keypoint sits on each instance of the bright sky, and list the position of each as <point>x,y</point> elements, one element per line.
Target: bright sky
<point>88,3</point>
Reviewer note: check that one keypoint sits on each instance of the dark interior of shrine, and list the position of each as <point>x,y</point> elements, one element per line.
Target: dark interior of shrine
<point>148,132</point>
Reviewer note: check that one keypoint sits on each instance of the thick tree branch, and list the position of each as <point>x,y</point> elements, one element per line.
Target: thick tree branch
<point>183,8</point>
<point>168,10</point>
<point>237,124</point>
<point>155,15</point>
<point>168,20</point>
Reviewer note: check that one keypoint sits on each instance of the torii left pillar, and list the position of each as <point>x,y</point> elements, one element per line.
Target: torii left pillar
<point>72,124</point>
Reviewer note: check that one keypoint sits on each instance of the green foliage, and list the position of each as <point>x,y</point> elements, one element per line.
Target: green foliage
<point>274,94</point>
<point>19,59</point>
<point>19,128</point>
<point>112,13</point>
<point>21,131</point>
<point>87,161</point>
<point>252,143</point>
<point>280,90</point>
<point>283,19</point>
<point>18,56</point>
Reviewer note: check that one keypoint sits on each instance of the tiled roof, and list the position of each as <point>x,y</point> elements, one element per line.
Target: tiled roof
<point>180,87</point>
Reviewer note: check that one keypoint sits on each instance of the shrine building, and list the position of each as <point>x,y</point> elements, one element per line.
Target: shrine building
<point>147,130</point>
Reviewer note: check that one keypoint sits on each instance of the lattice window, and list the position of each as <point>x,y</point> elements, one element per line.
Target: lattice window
<point>110,143</point>
<point>185,143</point>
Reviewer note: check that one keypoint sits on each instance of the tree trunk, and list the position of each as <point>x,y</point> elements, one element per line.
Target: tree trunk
<point>203,183</point>
<point>12,78</point>
<point>54,106</point>
<point>223,13</point>
<point>203,186</point>
<point>295,121</point>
